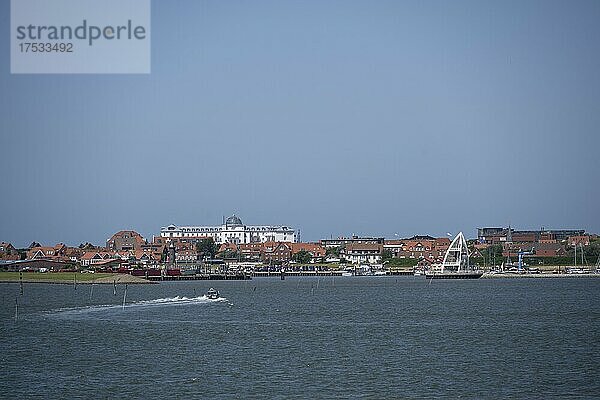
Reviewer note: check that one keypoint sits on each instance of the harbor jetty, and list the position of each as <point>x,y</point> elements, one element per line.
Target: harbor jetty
<point>200,277</point>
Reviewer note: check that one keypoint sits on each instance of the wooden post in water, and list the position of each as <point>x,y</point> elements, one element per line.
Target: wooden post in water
<point>21,282</point>
<point>114,287</point>
<point>16,308</point>
<point>124,296</point>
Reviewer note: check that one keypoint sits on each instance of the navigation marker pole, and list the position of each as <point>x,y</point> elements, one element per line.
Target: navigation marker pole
<point>16,308</point>
<point>21,283</point>
<point>91,291</point>
<point>114,287</point>
<point>124,296</point>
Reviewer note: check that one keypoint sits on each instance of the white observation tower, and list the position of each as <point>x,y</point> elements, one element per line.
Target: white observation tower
<point>456,262</point>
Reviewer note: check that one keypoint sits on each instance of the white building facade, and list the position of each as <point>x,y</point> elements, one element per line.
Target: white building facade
<point>232,231</point>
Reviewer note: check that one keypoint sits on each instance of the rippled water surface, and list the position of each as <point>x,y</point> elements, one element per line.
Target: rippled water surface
<point>342,337</point>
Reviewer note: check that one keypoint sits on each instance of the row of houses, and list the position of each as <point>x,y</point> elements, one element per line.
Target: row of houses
<point>273,252</point>
<point>129,248</point>
<point>124,248</point>
<point>537,243</point>
<point>354,250</point>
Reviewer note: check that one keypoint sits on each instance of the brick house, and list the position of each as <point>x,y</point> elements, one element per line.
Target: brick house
<point>549,250</point>
<point>316,251</point>
<point>186,253</point>
<point>125,240</point>
<point>539,249</point>
<point>583,240</point>
<point>8,252</point>
<point>248,251</point>
<point>47,253</point>
<point>276,252</point>
<point>422,247</point>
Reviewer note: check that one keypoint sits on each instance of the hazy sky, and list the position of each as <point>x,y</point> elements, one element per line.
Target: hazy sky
<point>335,117</point>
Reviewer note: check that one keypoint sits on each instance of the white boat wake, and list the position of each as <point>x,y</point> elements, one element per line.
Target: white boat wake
<point>177,300</point>
<point>167,301</point>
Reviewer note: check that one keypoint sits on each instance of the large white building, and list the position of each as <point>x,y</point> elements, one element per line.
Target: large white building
<point>232,231</point>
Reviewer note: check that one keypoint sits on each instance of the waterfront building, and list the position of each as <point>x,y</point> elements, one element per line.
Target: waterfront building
<point>316,251</point>
<point>579,240</point>
<point>125,240</point>
<point>232,230</point>
<point>537,250</point>
<point>276,253</point>
<point>509,235</point>
<point>343,241</point>
<point>8,252</point>
<point>7,248</point>
<point>46,252</point>
<point>547,237</point>
<point>418,247</point>
<point>362,253</point>
<point>90,258</point>
<point>186,253</point>
<point>103,260</point>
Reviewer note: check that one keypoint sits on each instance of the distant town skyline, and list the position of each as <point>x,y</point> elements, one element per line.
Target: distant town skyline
<point>469,234</point>
<point>334,118</point>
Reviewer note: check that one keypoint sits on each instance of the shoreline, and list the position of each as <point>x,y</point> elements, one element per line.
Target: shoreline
<point>134,280</point>
<point>120,279</point>
<point>508,275</point>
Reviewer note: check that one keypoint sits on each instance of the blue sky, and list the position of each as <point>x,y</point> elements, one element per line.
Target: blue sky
<point>335,117</point>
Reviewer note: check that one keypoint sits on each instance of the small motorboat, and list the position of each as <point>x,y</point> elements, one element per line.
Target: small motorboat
<point>212,294</point>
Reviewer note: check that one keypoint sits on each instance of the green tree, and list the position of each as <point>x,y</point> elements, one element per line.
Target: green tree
<point>387,255</point>
<point>492,253</point>
<point>332,251</point>
<point>207,247</point>
<point>229,254</point>
<point>302,257</point>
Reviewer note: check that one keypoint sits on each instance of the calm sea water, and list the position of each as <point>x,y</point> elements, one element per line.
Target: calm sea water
<point>379,337</point>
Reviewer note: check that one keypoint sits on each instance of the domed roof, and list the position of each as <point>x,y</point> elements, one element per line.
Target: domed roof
<point>233,221</point>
